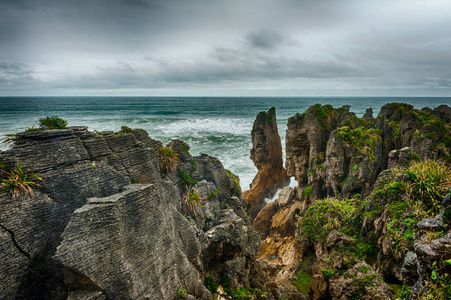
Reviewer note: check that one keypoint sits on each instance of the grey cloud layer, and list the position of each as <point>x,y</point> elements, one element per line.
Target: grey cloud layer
<point>88,47</point>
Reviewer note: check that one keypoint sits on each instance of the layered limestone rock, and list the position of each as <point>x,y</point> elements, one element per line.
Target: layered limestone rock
<point>348,243</point>
<point>107,223</point>
<point>340,155</point>
<point>266,154</point>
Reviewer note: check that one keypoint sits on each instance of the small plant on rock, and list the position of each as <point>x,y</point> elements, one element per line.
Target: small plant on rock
<point>54,122</point>
<point>191,201</point>
<point>168,159</point>
<point>18,182</point>
<point>181,294</point>
<point>126,129</point>
<point>210,284</point>
<point>327,273</point>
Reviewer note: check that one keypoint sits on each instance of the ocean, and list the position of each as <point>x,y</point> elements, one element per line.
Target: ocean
<point>220,127</point>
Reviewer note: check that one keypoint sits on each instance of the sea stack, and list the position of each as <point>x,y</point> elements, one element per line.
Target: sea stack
<point>266,153</point>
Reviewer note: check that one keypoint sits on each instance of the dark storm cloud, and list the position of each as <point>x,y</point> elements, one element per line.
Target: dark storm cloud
<point>14,70</point>
<point>266,39</point>
<point>148,44</point>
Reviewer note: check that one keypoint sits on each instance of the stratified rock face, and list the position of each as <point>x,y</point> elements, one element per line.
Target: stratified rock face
<point>108,241</point>
<point>267,156</point>
<point>107,224</point>
<point>340,155</point>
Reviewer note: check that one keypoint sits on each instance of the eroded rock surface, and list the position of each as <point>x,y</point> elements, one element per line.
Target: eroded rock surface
<point>266,153</point>
<point>107,223</point>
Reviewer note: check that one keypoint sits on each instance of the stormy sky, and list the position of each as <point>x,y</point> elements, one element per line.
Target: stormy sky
<point>225,48</point>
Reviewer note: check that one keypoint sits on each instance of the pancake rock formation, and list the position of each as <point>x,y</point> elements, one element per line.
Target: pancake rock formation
<point>266,153</point>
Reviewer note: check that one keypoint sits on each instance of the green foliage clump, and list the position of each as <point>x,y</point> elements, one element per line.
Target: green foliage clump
<point>234,178</point>
<point>53,122</point>
<point>168,159</point>
<point>241,293</point>
<point>191,202</point>
<point>322,112</point>
<point>32,129</point>
<point>302,282</point>
<point>432,183</point>
<point>214,194</point>
<point>307,191</point>
<point>181,294</point>
<point>210,284</point>
<point>17,182</point>
<point>361,138</point>
<point>395,187</point>
<point>325,215</point>
<point>126,129</point>
<point>327,273</point>
<point>365,269</point>
<point>185,178</point>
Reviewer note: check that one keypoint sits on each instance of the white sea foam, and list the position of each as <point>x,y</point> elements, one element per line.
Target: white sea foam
<point>207,125</point>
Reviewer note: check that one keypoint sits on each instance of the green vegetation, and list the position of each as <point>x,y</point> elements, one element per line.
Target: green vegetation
<point>186,179</point>
<point>210,284</point>
<point>181,294</point>
<point>32,129</point>
<point>328,214</point>
<point>191,202</point>
<point>365,269</point>
<point>54,122</point>
<point>361,138</point>
<point>168,159</point>
<point>126,129</point>
<point>241,293</point>
<point>439,287</point>
<point>214,194</point>
<point>432,182</point>
<point>18,182</point>
<point>307,191</point>
<point>323,112</point>
<point>234,178</point>
<point>327,273</point>
<point>302,282</point>
<point>185,149</point>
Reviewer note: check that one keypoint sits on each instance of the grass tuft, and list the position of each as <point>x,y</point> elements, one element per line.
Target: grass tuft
<point>18,182</point>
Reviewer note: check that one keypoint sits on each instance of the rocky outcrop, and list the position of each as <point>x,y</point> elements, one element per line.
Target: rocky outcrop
<point>266,153</point>
<point>107,223</point>
<point>351,218</point>
<point>426,269</point>
<point>340,155</point>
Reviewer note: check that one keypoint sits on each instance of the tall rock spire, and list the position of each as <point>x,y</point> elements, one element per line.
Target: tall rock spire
<point>266,153</point>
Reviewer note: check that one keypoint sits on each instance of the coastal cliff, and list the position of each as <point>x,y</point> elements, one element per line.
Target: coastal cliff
<point>110,223</point>
<point>365,220</point>
<point>115,218</point>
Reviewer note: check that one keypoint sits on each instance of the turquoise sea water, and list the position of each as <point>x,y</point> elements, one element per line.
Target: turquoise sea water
<point>218,126</point>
